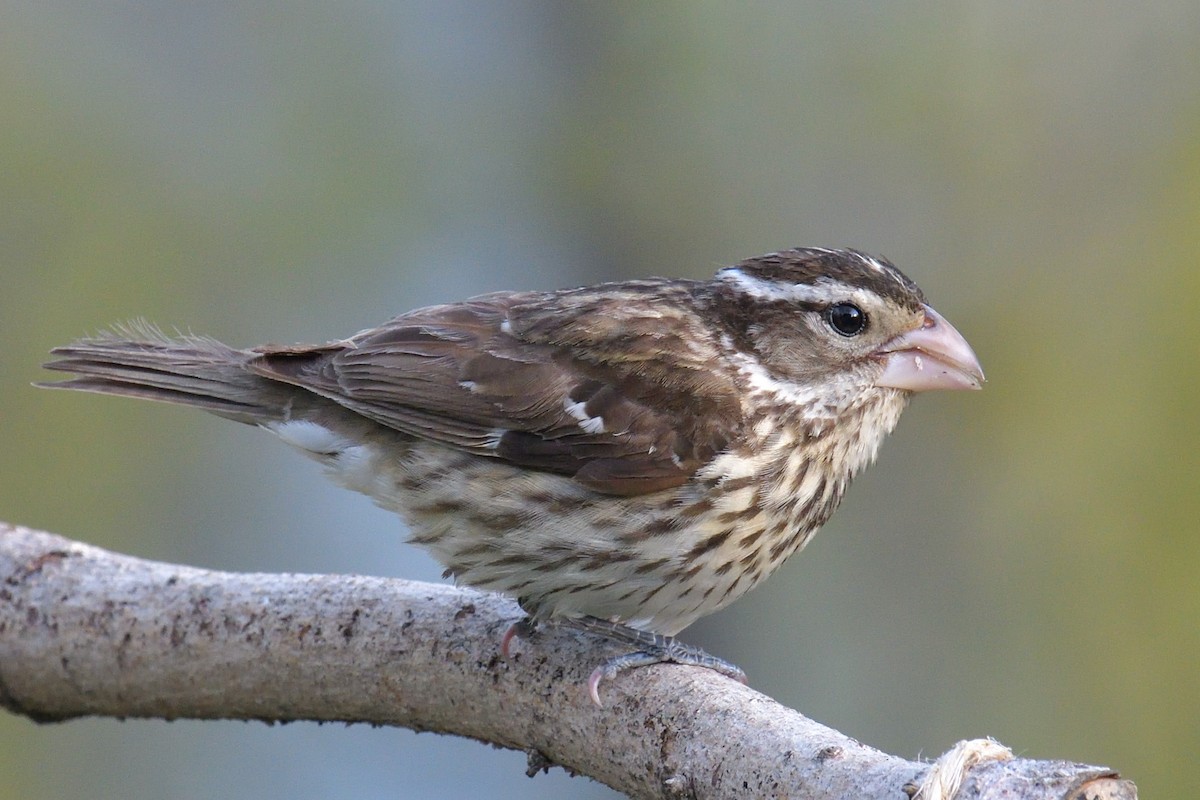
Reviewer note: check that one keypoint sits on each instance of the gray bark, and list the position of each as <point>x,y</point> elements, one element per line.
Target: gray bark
<point>84,631</point>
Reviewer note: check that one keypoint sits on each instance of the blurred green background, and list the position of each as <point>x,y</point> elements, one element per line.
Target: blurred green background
<point>1023,561</point>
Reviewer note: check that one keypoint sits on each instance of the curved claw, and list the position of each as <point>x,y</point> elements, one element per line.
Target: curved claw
<point>671,652</point>
<point>506,640</point>
<point>521,629</point>
<point>594,685</point>
<point>651,648</point>
<point>615,666</point>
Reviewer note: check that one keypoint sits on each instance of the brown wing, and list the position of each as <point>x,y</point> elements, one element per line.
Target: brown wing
<point>620,386</point>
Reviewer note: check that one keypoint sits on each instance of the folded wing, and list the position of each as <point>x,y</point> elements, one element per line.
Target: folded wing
<point>610,385</point>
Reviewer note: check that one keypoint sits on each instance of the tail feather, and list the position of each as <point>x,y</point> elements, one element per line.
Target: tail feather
<point>140,361</point>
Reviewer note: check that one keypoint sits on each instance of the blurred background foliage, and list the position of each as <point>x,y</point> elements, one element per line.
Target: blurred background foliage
<point>1023,561</point>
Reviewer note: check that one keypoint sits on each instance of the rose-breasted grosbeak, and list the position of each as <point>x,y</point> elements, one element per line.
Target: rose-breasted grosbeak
<point>627,457</point>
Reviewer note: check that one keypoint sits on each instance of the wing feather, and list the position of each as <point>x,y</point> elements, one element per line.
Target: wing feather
<point>620,386</point>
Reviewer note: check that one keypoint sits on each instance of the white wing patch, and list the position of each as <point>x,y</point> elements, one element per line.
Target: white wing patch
<point>579,412</point>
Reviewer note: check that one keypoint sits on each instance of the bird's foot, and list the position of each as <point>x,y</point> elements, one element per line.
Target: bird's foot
<point>652,648</point>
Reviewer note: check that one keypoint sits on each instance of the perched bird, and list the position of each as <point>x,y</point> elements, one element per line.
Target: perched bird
<point>625,458</point>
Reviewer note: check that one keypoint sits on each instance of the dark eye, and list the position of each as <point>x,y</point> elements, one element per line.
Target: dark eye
<point>847,319</point>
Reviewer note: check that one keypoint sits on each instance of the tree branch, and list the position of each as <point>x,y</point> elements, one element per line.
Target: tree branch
<point>87,632</point>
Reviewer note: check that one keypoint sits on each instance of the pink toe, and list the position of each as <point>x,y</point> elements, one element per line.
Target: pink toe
<point>506,640</point>
<point>594,686</point>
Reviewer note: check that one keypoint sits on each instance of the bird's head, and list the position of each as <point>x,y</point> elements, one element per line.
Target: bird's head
<point>838,323</point>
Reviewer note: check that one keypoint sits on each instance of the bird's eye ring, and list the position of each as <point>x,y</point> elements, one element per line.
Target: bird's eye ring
<point>847,319</point>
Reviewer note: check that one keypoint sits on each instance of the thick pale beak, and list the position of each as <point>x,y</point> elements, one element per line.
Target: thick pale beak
<point>934,356</point>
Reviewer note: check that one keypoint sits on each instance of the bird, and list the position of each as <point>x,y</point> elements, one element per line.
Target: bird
<point>623,458</point>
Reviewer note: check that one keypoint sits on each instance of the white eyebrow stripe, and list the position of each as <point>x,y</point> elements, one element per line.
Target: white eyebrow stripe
<point>823,290</point>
